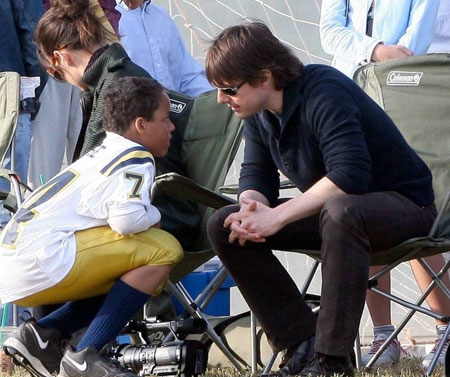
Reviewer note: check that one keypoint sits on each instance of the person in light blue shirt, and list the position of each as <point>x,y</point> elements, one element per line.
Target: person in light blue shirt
<point>152,40</point>
<point>441,40</point>
<point>358,32</point>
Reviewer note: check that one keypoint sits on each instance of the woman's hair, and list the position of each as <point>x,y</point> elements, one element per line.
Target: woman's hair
<point>68,24</point>
<point>129,98</point>
<point>241,52</point>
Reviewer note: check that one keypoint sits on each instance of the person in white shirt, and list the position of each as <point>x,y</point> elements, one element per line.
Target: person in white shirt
<point>358,32</point>
<point>89,238</point>
<point>152,40</point>
<point>441,38</point>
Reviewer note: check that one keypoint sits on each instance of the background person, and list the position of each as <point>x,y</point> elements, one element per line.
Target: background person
<point>356,33</point>
<point>152,40</point>
<point>57,127</point>
<point>18,19</point>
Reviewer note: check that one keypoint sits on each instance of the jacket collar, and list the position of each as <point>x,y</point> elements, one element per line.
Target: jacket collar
<point>292,97</point>
<point>110,60</point>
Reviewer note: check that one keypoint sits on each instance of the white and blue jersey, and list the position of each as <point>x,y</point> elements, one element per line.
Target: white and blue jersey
<point>108,186</point>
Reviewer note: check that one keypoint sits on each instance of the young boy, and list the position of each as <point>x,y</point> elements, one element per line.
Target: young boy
<point>89,238</point>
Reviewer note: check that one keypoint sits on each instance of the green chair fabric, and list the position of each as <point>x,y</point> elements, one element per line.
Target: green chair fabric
<point>9,109</point>
<point>206,140</point>
<point>415,93</point>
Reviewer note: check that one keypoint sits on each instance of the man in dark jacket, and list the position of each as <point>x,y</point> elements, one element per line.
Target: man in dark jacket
<point>363,190</point>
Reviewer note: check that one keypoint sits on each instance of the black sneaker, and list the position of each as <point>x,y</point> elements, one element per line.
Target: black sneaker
<point>90,362</point>
<point>326,365</point>
<point>295,359</point>
<point>36,349</point>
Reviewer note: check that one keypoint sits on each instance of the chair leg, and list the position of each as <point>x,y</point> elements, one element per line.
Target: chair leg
<point>309,277</point>
<point>414,308</point>
<point>438,352</point>
<point>211,289</point>
<point>270,363</point>
<point>186,300</point>
<point>358,351</point>
<point>253,341</point>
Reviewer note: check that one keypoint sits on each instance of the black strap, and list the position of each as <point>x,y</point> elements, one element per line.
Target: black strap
<point>370,17</point>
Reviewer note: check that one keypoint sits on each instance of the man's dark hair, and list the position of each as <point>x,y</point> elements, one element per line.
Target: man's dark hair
<point>241,52</point>
<point>127,99</point>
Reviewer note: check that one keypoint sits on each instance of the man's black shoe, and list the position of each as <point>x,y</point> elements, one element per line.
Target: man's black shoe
<point>326,365</point>
<point>295,359</point>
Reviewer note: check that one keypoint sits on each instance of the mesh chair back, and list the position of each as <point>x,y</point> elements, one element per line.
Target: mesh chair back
<point>206,140</point>
<point>9,109</point>
<point>211,140</point>
<point>415,92</point>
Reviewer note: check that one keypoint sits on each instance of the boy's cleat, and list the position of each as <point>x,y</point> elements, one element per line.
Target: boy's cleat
<point>90,363</point>
<point>36,349</point>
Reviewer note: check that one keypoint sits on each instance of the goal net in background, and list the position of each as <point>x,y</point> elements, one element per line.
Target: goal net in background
<point>296,23</point>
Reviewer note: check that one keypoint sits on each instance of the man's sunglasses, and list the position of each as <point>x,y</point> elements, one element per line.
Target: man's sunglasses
<point>232,91</point>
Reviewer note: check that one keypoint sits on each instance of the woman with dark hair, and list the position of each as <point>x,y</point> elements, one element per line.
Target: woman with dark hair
<point>73,47</point>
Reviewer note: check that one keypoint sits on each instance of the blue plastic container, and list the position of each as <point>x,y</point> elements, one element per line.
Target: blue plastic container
<point>196,282</point>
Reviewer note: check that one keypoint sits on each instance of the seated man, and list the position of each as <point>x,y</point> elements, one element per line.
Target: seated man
<point>363,190</point>
<point>90,238</point>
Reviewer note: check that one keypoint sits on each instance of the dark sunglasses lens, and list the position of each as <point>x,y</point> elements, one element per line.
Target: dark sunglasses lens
<point>229,91</point>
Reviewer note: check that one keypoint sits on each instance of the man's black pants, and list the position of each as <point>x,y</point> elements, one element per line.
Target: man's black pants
<point>348,229</point>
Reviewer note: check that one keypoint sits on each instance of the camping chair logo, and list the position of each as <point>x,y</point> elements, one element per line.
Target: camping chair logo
<point>176,106</point>
<point>403,78</point>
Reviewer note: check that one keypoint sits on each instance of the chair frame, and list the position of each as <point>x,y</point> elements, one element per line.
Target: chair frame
<point>414,307</point>
<point>170,184</point>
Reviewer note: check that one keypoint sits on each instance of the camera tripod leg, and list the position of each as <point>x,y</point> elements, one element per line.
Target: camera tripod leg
<point>186,300</point>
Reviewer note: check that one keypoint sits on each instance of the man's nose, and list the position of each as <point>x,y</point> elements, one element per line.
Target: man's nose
<point>222,97</point>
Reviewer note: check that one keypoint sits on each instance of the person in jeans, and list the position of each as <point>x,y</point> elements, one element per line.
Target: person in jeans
<point>18,19</point>
<point>363,190</point>
<point>357,33</point>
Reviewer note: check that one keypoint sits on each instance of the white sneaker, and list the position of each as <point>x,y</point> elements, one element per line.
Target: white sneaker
<point>441,360</point>
<point>391,355</point>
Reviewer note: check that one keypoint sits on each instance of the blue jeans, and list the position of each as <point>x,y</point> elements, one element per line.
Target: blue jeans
<point>22,143</point>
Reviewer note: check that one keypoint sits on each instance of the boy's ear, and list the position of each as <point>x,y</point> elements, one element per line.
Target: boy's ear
<point>138,124</point>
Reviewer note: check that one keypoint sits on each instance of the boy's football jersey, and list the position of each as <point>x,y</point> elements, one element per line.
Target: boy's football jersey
<point>38,246</point>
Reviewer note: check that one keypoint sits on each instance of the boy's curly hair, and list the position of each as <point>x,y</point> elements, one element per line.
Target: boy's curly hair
<point>127,99</point>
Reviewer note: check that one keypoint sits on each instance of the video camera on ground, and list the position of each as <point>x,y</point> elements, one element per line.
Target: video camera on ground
<point>164,358</point>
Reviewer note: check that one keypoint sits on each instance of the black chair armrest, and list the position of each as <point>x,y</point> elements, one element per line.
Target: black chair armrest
<point>233,189</point>
<point>185,188</point>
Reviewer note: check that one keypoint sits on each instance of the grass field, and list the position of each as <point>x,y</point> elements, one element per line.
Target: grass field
<point>406,368</point>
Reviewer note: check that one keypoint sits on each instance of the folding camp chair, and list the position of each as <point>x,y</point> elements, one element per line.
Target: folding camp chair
<point>414,92</point>
<point>211,135</point>
<point>9,115</point>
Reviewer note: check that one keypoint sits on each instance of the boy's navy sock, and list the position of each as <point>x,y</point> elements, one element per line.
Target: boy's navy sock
<point>121,304</point>
<point>73,315</point>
